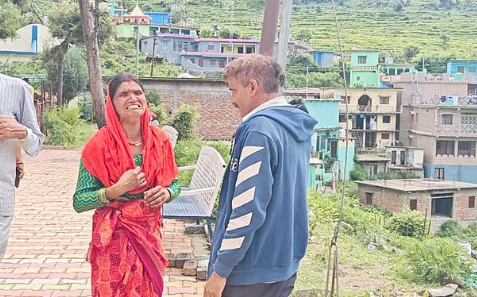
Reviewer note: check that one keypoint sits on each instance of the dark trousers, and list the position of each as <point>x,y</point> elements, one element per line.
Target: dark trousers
<point>278,289</point>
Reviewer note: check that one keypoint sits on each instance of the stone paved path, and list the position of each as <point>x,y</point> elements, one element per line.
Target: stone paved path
<point>49,240</point>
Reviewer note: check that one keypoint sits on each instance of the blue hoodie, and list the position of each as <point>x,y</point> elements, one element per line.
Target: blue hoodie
<point>262,222</point>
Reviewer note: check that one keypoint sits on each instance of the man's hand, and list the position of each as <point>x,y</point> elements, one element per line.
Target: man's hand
<point>11,129</point>
<point>21,168</point>
<point>214,286</point>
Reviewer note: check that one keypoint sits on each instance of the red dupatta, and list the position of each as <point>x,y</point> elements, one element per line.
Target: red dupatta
<point>126,254</point>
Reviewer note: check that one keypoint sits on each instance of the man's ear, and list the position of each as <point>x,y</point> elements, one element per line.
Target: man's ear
<point>253,85</point>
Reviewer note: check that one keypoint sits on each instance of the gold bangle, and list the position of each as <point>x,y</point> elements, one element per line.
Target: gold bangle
<point>102,196</point>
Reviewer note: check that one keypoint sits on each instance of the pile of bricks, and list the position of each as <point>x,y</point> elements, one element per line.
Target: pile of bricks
<point>190,265</point>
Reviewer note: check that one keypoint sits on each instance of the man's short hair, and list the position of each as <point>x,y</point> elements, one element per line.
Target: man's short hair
<point>264,69</point>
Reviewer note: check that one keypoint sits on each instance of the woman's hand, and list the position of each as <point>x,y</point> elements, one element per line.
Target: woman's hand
<point>132,180</point>
<point>157,196</point>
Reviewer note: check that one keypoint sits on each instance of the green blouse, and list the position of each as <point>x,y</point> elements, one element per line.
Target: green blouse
<point>86,195</point>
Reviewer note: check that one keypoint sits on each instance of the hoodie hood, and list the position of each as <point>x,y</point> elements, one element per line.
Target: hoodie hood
<point>296,121</point>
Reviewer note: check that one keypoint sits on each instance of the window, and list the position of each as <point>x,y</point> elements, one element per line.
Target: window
<point>375,169</point>
<point>471,201</point>
<point>466,148</point>
<point>210,47</point>
<point>192,61</point>
<point>386,119</point>
<point>222,64</point>
<point>384,135</point>
<point>471,69</point>
<point>348,99</point>
<point>342,118</point>
<point>362,59</point>
<point>413,204</point>
<point>461,69</point>
<point>201,63</point>
<point>383,100</point>
<point>446,119</point>
<point>240,50</point>
<point>442,204</point>
<point>358,78</point>
<point>392,71</point>
<point>445,147</point>
<point>323,143</point>
<point>399,71</point>
<point>185,46</point>
<point>318,143</point>
<point>369,198</point>
<point>213,63</point>
<point>334,149</point>
<point>439,173</point>
<point>250,50</point>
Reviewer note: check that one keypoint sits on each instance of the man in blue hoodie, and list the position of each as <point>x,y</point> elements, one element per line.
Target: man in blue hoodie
<point>262,223</point>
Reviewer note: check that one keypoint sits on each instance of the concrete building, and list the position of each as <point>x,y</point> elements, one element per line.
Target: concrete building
<point>30,42</point>
<point>440,200</point>
<point>406,161</point>
<point>369,69</point>
<point>200,54</point>
<point>440,116</point>
<point>373,117</point>
<point>458,68</point>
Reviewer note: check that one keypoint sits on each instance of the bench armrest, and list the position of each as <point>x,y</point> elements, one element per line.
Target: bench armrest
<point>197,192</point>
<point>187,167</point>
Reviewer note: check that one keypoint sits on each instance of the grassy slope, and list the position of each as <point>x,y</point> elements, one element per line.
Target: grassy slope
<point>363,24</point>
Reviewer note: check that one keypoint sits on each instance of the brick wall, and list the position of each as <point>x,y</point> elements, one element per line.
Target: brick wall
<point>217,118</point>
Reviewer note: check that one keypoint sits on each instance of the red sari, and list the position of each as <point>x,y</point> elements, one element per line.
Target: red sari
<point>126,253</point>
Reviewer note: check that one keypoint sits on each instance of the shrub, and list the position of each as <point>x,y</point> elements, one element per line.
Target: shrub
<point>407,223</point>
<point>183,120</point>
<point>153,97</point>
<point>63,126</point>
<point>451,229</point>
<point>358,173</point>
<point>161,114</point>
<point>435,260</point>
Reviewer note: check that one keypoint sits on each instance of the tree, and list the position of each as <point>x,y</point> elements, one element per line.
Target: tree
<point>304,35</point>
<point>90,35</point>
<point>410,52</point>
<point>10,20</point>
<point>65,25</point>
<point>205,33</point>
<point>75,72</point>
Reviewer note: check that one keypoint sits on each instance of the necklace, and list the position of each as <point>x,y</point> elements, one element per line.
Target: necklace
<point>136,144</point>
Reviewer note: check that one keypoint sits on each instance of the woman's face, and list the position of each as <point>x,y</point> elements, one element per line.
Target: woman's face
<point>129,100</point>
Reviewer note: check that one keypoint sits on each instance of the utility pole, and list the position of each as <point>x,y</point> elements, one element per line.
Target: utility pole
<point>137,49</point>
<point>284,33</point>
<point>269,27</point>
<point>153,52</point>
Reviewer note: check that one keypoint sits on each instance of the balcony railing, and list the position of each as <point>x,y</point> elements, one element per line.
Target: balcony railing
<point>458,130</point>
<point>370,109</point>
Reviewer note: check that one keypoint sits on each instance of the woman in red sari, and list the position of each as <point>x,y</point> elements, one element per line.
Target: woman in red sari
<point>127,172</point>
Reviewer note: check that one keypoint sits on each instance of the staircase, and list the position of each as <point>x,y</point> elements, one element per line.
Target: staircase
<point>357,142</point>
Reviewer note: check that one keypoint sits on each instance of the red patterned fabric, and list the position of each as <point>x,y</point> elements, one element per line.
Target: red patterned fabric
<point>117,265</point>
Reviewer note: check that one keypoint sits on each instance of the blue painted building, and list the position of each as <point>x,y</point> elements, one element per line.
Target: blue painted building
<point>322,58</point>
<point>327,162</point>
<point>159,18</point>
<point>463,67</point>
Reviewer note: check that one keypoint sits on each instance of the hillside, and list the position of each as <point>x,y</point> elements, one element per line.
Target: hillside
<point>435,27</point>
